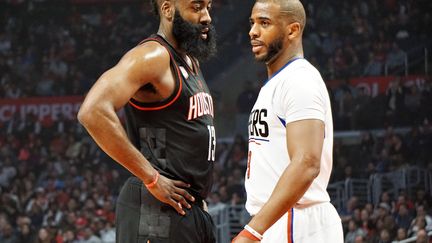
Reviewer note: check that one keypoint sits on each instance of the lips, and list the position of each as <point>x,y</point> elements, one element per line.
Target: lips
<point>256,45</point>
<point>204,33</point>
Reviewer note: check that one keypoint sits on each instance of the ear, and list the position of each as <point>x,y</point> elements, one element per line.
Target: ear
<point>167,9</point>
<point>293,30</point>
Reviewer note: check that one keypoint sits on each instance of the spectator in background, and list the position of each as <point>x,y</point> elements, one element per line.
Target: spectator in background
<point>385,236</point>
<point>395,102</point>
<point>25,233</point>
<point>398,152</point>
<point>401,234</point>
<point>7,234</point>
<point>374,66</point>
<point>412,103</point>
<point>361,109</point>
<point>346,109</point>
<point>395,59</point>
<point>403,217</point>
<point>44,236</point>
<point>426,101</point>
<point>419,223</point>
<point>423,198</point>
<point>422,236</point>
<point>353,231</point>
<point>421,211</point>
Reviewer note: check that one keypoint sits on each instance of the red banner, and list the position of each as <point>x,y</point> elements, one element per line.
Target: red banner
<point>378,85</point>
<point>51,107</point>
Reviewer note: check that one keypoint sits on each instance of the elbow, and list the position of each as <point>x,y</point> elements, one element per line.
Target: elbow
<point>313,164</point>
<point>84,116</point>
<point>315,171</point>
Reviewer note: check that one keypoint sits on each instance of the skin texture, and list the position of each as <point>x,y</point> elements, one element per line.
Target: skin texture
<point>283,21</point>
<point>123,81</point>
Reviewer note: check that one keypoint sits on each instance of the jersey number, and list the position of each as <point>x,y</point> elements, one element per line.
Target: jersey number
<point>212,143</point>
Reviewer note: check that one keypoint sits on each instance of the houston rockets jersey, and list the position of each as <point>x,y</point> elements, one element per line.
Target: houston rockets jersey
<point>177,135</point>
<point>296,92</point>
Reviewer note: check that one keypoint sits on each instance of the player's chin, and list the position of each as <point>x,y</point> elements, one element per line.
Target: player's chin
<point>260,57</point>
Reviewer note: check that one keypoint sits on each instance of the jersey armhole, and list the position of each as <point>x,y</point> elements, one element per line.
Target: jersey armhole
<point>153,106</point>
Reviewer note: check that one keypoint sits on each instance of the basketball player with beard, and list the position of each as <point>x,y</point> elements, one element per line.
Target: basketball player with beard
<point>169,141</point>
<point>290,136</point>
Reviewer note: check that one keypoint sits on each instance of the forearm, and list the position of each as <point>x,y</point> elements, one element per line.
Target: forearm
<point>292,185</point>
<point>105,128</point>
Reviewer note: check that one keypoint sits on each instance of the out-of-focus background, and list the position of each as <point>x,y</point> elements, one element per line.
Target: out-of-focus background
<point>56,185</point>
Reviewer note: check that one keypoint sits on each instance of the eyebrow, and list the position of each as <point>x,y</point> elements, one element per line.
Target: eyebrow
<point>199,1</point>
<point>261,18</point>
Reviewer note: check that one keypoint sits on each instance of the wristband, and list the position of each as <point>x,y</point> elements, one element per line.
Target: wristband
<point>248,235</point>
<point>155,180</point>
<point>253,232</point>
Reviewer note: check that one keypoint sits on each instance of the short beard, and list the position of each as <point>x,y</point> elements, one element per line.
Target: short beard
<point>188,37</point>
<point>274,49</point>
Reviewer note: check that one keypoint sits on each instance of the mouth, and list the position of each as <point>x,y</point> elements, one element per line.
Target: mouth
<point>256,46</point>
<point>204,33</point>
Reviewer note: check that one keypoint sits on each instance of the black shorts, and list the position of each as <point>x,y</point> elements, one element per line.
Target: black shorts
<point>141,218</point>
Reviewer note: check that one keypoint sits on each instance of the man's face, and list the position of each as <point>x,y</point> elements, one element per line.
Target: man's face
<point>266,33</point>
<point>193,31</point>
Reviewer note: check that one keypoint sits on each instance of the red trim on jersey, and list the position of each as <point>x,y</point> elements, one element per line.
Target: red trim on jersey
<point>180,85</point>
<point>248,164</point>
<point>253,141</point>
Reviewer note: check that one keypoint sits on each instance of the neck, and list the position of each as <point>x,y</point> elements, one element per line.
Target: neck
<point>168,36</point>
<point>283,58</point>
<point>275,65</point>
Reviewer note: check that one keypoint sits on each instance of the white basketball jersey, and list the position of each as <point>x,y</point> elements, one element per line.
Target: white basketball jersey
<point>296,92</point>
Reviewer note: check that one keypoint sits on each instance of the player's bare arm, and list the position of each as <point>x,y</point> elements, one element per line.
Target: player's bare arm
<point>147,63</point>
<point>304,141</point>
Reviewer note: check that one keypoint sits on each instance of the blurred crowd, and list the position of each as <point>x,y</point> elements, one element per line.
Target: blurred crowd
<point>57,186</point>
<point>364,37</point>
<point>395,218</point>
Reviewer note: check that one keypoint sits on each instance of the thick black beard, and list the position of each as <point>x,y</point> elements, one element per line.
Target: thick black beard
<point>188,37</point>
<point>274,49</point>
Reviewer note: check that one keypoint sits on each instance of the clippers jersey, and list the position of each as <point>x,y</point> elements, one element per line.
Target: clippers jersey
<point>296,92</point>
<point>177,136</point>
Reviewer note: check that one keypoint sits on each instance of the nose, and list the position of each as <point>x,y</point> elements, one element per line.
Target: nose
<point>205,17</point>
<point>253,32</point>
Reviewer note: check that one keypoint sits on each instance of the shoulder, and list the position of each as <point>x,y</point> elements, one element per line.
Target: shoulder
<point>299,82</point>
<point>149,52</point>
<point>300,75</point>
<point>150,59</point>
<point>303,70</point>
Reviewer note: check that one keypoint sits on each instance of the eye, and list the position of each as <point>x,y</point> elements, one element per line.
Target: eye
<point>265,24</point>
<point>197,7</point>
<point>251,23</point>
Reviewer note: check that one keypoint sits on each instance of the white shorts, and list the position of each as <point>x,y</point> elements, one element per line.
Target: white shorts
<point>319,223</point>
